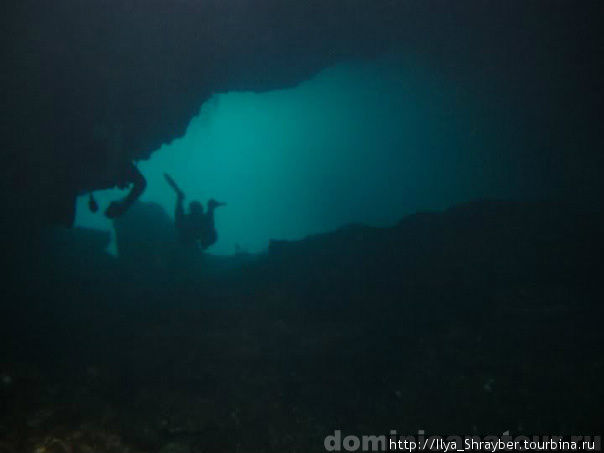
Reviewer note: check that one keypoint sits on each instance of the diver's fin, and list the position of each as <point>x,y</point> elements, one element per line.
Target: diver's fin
<point>170,181</point>
<point>173,185</point>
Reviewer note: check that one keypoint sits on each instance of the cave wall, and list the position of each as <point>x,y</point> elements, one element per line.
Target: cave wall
<point>87,85</point>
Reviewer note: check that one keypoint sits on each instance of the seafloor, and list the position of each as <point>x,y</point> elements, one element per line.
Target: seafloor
<point>480,319</point>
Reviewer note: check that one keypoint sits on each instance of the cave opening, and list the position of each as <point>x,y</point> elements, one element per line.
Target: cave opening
<point>359,142</point>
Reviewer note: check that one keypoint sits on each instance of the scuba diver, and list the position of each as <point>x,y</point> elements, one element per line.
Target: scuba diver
<point>102,164</point>
<point>129,175</point>
<point>197,225</point>
<point>125,175</point>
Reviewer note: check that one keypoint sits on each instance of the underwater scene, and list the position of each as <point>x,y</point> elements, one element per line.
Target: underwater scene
<point>258,226</point>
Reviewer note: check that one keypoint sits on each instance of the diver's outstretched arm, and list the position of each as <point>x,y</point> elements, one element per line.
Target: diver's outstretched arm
<point>212,204</point>
<point>117,208</point>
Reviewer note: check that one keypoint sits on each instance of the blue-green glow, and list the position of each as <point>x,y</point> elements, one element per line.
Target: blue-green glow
<point>360,142</point>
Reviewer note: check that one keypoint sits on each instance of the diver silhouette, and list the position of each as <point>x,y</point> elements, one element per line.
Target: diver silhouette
<point>121,177</point>
<point>129,174</point>
<point>197,225</point>
<point>103,163</point>
<point>99,177</point>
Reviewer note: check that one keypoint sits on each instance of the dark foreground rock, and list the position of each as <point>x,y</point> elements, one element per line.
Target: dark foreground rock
<point>480,319</point>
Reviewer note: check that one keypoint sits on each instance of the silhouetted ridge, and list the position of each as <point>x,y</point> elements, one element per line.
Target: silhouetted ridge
<point>486,308</point>
<point>489,241</point>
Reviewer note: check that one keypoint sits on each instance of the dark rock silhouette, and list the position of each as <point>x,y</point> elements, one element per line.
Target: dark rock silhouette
<point>486,308</point>
<point>488,241</point>
<point>146,238</point>
<point>85,85</point>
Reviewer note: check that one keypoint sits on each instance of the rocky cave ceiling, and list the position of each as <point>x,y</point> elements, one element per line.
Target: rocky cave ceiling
<point>85,82</point>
